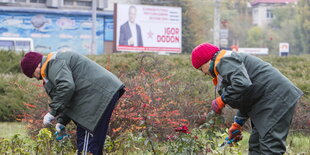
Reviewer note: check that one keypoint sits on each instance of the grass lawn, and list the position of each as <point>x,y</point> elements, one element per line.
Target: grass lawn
<point>8,129</point>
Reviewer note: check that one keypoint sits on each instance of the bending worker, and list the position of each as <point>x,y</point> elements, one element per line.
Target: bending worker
<point>259,92</point>
<point>80,90</point>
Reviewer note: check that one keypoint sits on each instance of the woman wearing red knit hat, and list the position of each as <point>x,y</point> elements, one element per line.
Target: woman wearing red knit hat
<point>259,92</point>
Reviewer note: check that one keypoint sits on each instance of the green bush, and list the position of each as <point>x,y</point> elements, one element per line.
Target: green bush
<point>186,87</point>
<point>16,91</point>
<point>45,143</point>
<point>9,61</point>
<point>180,143</point>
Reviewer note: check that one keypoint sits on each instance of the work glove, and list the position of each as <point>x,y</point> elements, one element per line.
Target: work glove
<point>234,132</point>
<point>61,132</point>
<point>218,105</point>
<point>48,118</point>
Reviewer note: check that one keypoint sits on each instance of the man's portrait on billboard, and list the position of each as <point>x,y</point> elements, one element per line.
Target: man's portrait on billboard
<point>130,31</point>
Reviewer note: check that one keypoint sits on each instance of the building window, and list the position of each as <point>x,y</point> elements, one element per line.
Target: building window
<point>83,3</point>
<point>68,2</point>
<point>6,45</point>
<point>22,46</point>
<point>37,1</point>
<point>269,13</point>
<point>20,1</point>
<point>255,16</point>
<point>77,3</point>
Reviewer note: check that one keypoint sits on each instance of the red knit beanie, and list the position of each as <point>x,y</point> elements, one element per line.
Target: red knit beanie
<point>30,62</point>
<point>202,54</point>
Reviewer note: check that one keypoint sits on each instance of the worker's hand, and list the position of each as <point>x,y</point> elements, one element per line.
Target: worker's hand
<point>234,132</point>
<point>218,105</point>
<point>60,132</point>
<point>48,118</point>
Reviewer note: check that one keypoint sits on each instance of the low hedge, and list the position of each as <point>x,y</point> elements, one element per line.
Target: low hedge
<point>16,89</point>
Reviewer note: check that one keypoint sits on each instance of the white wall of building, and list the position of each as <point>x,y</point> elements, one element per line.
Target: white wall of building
<point>260,16</point>
<point>111,3</point>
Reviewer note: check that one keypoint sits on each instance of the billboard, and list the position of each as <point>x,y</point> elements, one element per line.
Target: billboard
<point>53,32</point>
<point>108,28</point>
<point>146,28</point>
<point>254,51</point>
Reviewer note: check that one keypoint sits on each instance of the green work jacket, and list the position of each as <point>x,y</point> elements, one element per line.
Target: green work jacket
<point>79,88</point>
<point>257,89</point>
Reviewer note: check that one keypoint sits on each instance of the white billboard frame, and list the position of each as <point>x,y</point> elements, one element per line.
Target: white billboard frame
<point>147,28</point>
<point>254,51</point>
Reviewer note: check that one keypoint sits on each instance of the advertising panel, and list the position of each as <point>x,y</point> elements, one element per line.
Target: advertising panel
<point>56,32</point>
<point>146,28</point>
<point>254,51</point>
<point>108,29</point>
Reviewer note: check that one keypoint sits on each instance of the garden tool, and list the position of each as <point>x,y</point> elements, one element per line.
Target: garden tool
<point>228,141</point>
<point>61,132</point>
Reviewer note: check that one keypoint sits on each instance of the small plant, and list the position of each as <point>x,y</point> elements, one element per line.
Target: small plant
<point>15,145</point>
<point>45,143</point>
<point>184,142</point>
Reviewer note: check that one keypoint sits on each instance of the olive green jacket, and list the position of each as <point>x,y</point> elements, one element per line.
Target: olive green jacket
<point>79,88</point>
<point>256,88</point>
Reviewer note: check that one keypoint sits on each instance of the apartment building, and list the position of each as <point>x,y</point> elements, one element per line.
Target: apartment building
<point>262,10</point>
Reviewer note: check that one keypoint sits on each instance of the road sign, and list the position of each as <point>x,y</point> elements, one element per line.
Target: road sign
<point>224,33</point>
<point>223,42</point>
<point>284,49</point>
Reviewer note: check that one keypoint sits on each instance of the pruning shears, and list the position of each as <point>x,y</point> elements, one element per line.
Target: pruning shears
<point>228,141</point>
<point>60,135</point>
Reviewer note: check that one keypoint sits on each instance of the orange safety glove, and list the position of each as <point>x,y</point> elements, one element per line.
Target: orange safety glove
<point>218,105</point>
<point>234,132</point>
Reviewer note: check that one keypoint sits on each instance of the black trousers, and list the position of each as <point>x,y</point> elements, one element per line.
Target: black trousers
<point>274,141</point>
<point>94,143</point>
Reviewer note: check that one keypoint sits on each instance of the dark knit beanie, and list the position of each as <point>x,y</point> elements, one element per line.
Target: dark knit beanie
<point>30,62</point>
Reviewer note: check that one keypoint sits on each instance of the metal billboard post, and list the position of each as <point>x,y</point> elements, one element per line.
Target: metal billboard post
<point>93,36</point>
<point>217,16</point>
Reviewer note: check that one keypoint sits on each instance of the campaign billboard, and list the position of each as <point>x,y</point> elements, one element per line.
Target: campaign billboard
<point>146,28</point>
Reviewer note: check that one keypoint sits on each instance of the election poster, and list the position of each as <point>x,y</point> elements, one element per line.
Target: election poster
<point>146,28</point>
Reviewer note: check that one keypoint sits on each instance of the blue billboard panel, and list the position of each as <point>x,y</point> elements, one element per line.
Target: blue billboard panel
<point>108,28</point>
<point>55,32</point>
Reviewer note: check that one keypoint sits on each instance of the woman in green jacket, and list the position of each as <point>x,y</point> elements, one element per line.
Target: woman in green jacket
<point>259,92</point>
<point>80,90</point>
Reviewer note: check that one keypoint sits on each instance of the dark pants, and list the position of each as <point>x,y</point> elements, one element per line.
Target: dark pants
<point>274,141</point>
<point>94,143</point>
